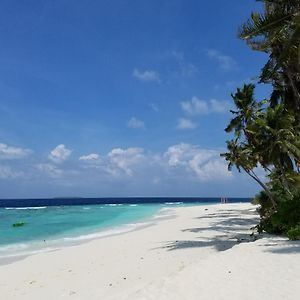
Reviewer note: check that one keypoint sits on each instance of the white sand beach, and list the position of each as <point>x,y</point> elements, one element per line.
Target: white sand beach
<point>203,252</point>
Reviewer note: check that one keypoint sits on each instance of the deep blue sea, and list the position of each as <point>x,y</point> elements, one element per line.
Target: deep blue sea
<point>53,223</point>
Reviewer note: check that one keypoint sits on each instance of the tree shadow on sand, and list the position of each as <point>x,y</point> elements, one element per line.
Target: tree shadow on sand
<point>231,228</point>
<point>280,245</point>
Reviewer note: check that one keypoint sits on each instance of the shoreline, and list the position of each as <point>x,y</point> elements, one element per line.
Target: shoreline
<point>57,244</point>
<point>204,250</point>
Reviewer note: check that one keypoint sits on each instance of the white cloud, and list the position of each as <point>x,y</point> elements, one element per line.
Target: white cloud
<point>6,172</point>
<point>205,164</point>
<point>225,62</point>
<point>147,75</point>
<point>196,106</point>
<point>154,107</point>
<point>177,154</point>
<point>187,69</point>
<point>135,123</point>
<point>9,152</point>
<point>211,168</point>
<point>93,157</point>
<point>50,170</point>
<point>59,154</point>
<point>217,106</point>
<point>122,160</point>
<point>186,124</point>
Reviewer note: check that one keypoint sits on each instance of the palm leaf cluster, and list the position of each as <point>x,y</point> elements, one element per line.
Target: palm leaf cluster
<point>266,133</point>
<point>276,31</point>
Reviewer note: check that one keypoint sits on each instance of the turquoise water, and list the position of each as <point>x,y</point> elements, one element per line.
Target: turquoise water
<point>52,227</point>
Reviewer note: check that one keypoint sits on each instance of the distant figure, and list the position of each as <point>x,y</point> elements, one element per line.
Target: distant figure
<point>224,200</point>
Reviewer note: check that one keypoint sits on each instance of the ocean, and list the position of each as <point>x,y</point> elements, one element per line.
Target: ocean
<point>49,224</point>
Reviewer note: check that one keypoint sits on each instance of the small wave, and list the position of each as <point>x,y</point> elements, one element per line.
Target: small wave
<point>27,251</point>
<point>173,203</point>
<point>133,205</point>
<point>114,204</point>
<point>108,232</point>
<point>163,213</point>
<point>13,247</point>
<point>86,208</point>
<point>25,208</point>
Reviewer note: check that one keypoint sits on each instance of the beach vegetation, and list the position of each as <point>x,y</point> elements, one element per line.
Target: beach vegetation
<point>266,132</point>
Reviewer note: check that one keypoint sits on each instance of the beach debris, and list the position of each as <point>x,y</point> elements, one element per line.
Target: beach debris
<point>110,284</point>
<point>124,278</point>
<point>18,224</point>
<point>31,282</point>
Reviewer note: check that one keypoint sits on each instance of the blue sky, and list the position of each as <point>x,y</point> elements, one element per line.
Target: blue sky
<point>120,98</point>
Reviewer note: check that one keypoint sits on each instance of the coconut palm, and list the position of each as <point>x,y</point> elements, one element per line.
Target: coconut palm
<point>276,142</point>
<point>276,31</point>
<point>247,109</point>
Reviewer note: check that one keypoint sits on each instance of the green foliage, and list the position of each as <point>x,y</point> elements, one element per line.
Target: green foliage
<point>294,233</point>
<point>263,200</point>
<point>266,133</point>
<point>276,31</point>
<point>19,224</point>
<point>285,220</point>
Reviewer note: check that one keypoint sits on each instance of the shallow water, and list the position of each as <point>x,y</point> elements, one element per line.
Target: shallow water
<point>56,226</point>
<point>51,227</point>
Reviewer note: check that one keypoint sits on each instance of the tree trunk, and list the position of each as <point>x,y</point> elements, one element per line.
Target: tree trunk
<point>294,87</point>
<point>266,189</point>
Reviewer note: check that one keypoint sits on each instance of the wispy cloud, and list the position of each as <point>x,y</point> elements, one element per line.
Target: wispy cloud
<point>146,75</point>
<point>50,170</point>
<point>205,164</point>
<point>122,160</point>
<point>197,106</point>
<point>59,154</point>
<point>186,69</point>
<point>6,172</point>
<point>184,124</point>
<point>225,62</point>
<point>154,107</point>
<point>10,152</point>
<point>180,159</point>
<point>218,106</point>
<point>135,123</point>
<point>93,157</point>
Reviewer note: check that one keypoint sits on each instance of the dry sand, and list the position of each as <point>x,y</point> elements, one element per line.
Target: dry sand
<point>204,252</point>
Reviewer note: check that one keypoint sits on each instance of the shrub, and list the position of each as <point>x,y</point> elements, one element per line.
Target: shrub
<point>284,220</point>
<point>294,233</point>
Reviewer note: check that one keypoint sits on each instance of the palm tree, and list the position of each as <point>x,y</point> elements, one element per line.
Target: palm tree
<point>242,156</point>
<point>242,151</point>
<point>265,137</point>
<point>277,142</point>
<point>276,31</point>
<point>247,109</point>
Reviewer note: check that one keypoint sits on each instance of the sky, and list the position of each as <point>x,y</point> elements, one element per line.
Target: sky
<point>121,98</point>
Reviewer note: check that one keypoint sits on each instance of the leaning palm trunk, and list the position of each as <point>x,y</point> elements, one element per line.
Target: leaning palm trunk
<point>264,186</point>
